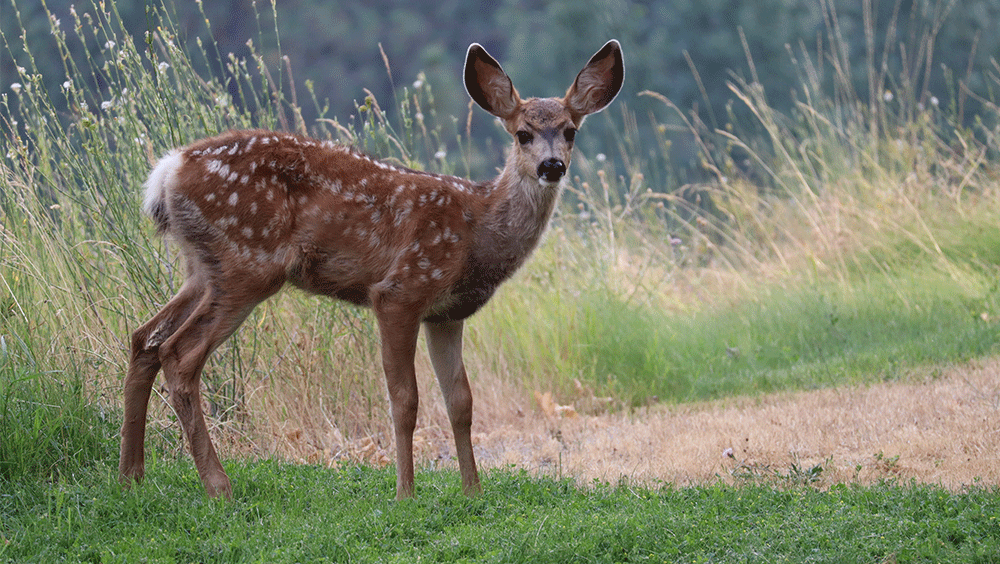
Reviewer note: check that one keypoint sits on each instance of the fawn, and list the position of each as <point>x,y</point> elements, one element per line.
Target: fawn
<point>253,210</point>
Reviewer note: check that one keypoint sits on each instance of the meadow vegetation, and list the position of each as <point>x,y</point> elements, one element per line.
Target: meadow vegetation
<point>845,241</point>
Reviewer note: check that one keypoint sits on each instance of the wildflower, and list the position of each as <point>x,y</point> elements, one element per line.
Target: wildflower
<point>107,105</point>
<point>440,155</point>
<point>16,87</point>
<point>601,157</point>
<point>728,453</point>
<point>887,96</point>
<point>163,66</point>
<point>418,83</point>
<point>109,45</point>
<point>934,101</point>
<point>67,85</point>
<point>675,241</point>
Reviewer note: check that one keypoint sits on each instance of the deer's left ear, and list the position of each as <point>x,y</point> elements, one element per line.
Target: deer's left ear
<point>598,83</point>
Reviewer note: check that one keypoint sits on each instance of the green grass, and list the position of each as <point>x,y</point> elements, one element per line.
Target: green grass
<point>780,337</point>
<point>48,427</point>
<point>287,513</point>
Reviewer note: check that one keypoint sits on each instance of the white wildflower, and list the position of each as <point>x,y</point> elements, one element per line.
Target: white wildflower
<point>163,66</point>
<point>107,105</point>
<point>67,85</point>
<point>440,155</point>
<point>888,96</point>
<point>418,83</point>
<point>934,101</point>
<point>16,87</point>
<point>601,157</point>
<point>109,45</point>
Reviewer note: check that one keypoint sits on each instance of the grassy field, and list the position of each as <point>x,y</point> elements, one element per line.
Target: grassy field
<point>286,513</point>
<point>846,243</point>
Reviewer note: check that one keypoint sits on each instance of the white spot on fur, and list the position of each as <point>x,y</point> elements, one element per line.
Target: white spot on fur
<point>233,198</point>
<point>333,185</point>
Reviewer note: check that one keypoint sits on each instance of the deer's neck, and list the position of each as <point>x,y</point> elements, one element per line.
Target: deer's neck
<point>511,223</point>
<point>516,217</point>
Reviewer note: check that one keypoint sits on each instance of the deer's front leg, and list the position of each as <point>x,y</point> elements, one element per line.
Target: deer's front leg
<point>444,343</point>
<point>399,328</point>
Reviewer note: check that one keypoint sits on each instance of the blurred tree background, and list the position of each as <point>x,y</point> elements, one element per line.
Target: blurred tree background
<point>686,50</point>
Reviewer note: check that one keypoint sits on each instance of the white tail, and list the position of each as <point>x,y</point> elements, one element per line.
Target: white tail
<point>252,210</point>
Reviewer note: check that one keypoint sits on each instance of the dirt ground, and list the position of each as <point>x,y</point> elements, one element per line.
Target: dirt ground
<point>940,426</point>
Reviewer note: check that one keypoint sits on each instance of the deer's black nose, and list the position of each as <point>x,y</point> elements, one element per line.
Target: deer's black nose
<point>551,170</point>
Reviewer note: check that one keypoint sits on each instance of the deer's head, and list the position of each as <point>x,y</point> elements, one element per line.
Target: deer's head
<point>544,128</point>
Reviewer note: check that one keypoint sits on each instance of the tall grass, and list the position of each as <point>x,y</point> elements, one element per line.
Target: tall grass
<point>841,242</point>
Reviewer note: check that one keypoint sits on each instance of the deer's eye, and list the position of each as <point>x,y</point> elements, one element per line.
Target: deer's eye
<point>569,134</point>
<point>524,137</point>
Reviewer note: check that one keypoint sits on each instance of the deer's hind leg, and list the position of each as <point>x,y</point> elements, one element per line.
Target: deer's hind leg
<point>144,363</point>
<point>217,315</point>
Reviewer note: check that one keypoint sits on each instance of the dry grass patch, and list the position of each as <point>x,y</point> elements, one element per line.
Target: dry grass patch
<point>940,427</point>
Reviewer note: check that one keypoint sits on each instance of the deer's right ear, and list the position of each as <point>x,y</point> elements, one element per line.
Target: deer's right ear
<point>488,84</point>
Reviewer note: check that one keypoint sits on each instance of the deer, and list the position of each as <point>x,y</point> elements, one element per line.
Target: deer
<point>253,211</point>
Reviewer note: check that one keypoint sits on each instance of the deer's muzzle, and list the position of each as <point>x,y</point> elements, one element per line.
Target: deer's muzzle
<point>551,170</point>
